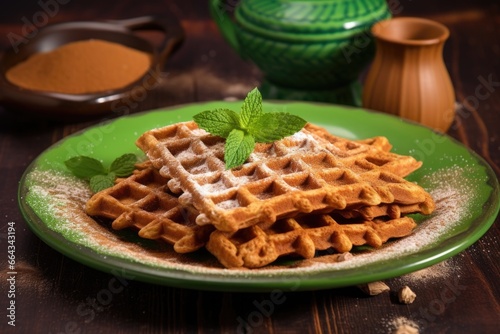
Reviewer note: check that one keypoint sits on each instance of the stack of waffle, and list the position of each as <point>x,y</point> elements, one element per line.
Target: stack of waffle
<point>308,192</point>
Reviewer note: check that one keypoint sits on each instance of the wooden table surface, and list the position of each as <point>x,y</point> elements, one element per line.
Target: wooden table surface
<point>54,294</point>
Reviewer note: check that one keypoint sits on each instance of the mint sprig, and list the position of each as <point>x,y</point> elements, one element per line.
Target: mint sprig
<point>100,177</point>
<point>239,146</point>
<point>252,125</point>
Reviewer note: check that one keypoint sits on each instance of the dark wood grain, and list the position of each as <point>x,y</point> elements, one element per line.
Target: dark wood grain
<point>58,295</point>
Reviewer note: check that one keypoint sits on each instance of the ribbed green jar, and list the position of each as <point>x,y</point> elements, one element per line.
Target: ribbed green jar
<point>317,47</point>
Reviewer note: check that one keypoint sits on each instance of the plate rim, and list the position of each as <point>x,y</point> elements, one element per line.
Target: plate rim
<point>185,279</point>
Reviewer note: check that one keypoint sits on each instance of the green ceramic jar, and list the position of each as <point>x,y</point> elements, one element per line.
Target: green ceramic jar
<point>307,49</point>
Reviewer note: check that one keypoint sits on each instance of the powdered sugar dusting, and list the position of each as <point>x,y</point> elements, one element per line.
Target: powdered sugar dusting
<point>402,325</point>
<point>59,200</point>
<point>453,196</point>
<point>441,270</point>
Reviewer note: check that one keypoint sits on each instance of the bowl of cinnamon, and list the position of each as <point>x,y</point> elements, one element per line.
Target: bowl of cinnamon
<point>83,69</point>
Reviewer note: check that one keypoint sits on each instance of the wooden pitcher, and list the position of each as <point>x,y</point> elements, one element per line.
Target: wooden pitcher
<point>408,76</point>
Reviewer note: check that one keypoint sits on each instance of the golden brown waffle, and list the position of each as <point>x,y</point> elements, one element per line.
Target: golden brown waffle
<point>300,174</point>
<point>384,210</point>
<point>144,202</point>
<point>261,244</point>
<point>371,152</point>
<point>380,142</point>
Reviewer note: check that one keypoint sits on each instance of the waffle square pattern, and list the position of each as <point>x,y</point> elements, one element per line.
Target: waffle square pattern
<point>309,193</point>
<point>142,201</point>
<point>309,172</point>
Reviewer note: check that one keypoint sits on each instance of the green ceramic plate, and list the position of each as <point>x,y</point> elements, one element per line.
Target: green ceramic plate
<point>463,185</point>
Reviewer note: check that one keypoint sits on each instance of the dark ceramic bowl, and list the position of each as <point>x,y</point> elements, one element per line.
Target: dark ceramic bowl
<point>70,106</point>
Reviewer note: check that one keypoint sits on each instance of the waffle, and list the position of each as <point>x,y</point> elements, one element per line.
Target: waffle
<point>261,244</point>
<point>392,211</point>
<point>143,201</point>
<point>301,174</point>
<point>371,151</point>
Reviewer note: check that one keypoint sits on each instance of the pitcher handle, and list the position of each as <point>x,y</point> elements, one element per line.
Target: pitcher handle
<point>170,27</point>
<point>220,13</point>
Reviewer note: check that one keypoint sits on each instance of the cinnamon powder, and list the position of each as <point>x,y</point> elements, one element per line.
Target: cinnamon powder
<point>61,200</point>
<point>81,67</point>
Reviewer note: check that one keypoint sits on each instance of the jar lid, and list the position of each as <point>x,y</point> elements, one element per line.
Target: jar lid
<point>294,20</point>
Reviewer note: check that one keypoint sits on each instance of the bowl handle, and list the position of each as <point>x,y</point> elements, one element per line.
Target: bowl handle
<point>171,27</point>
<point>220,14</point>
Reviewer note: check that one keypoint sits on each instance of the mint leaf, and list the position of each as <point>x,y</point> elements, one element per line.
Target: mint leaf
<point>85,167</point>
<point>218,122</point>
<point>239,146</point>
<point>101,182</point>
<point>242,130</point>
<point>251,109</point>
<point>99,177</point>
<point>274,126</point>
<point>124,165</point>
